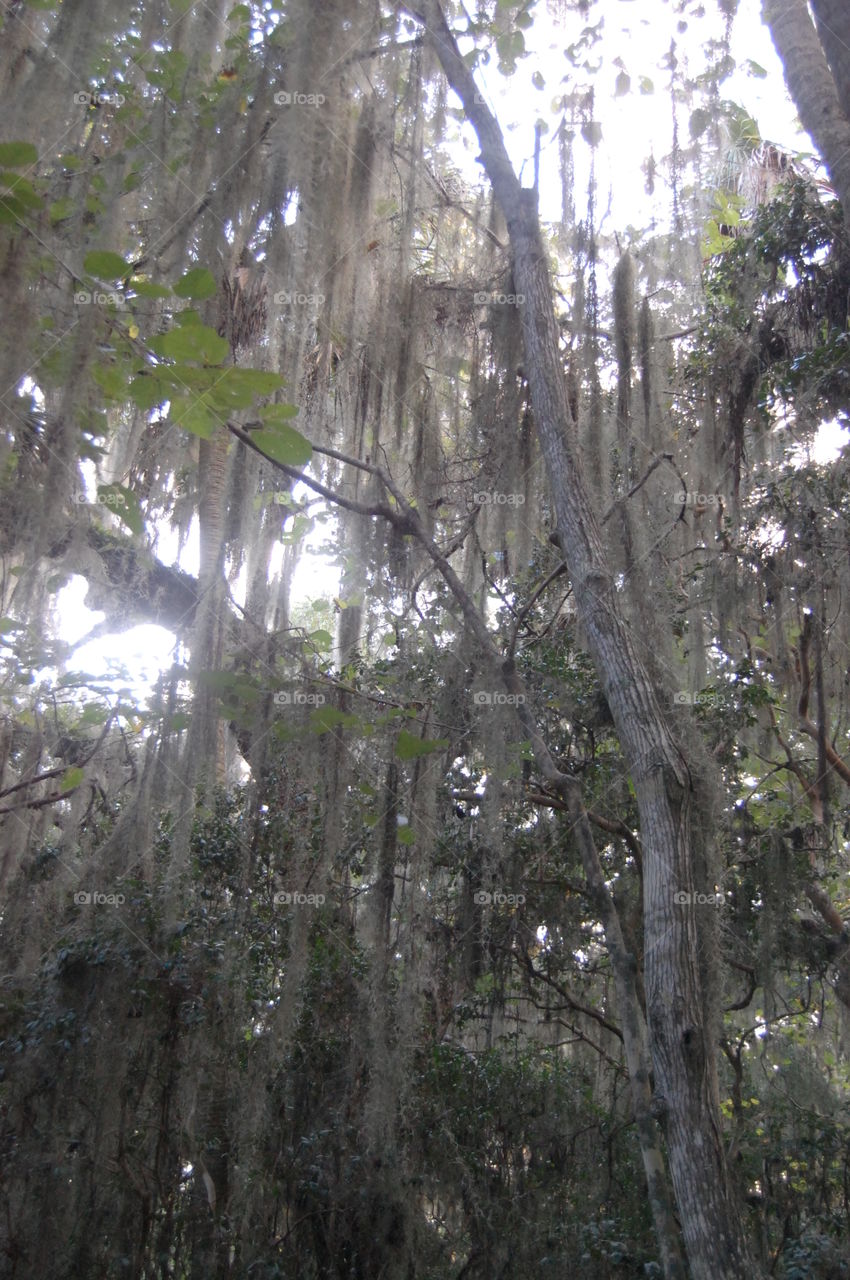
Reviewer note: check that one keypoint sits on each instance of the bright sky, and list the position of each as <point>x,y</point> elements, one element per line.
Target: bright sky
<point>633,124</point>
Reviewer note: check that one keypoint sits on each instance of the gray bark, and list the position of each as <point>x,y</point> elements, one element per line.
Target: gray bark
<point>832,18</point>
<point>683,1055</point>
<point>812,89</point>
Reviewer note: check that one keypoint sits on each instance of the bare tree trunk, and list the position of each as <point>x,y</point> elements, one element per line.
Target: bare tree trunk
<point>833,23</point>
<point>812,88</point>
<point>683,1056</point>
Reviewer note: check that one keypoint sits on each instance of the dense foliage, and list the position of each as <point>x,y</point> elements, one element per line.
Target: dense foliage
<point>303,974</point>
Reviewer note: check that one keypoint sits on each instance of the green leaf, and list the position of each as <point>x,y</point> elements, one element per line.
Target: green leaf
<point>191,342</point>
<point>61,209</point>
<point>646,86</point>
<point>408,747</point>
<point>71,779</point>
<point>405,836</point>
<point>321,639</point>
<point>12,210</point>
<point>146,391</point>
<point>111,380</point>
<point>22,189</point>
<point>274,413</point>
<point>147,289</point>
<point>197,283</point>
<point>622,84</point>
<point>323,719</point>
<point>123,503</point>
<point>9,624</point>
<point>193,415</point>
<point>17,155</point>
<point>284,444</point>
<point>105,265</point>
<point>239,388</point>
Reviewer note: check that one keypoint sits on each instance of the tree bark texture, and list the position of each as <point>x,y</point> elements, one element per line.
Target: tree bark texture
<point>832,18</point>
<point>812,88</point>
<point>684,1058</point>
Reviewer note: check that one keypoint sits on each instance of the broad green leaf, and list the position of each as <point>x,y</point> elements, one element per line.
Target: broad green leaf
<point>274,413</point>
<point>9,624</point>
<point>322,639</point>
<point>622,84</point>
<point>18,155</point>
<point>12,211</point>
<point>111,380</point>
<point>284,444</point>
<point>123,503</point>
<point>194,416</point>
<point>197,283</point>
<point>147,289</point>
<point>408,747</point>
<point>323,719</point>
<point>188,377</point>
<point>71,779</point>
<point>405,836</point>
<point>239,388</point>
<point>105,265</point>
<point>191,342</point>
<point>61,209</point>
<point>300,526</point>
<point>146,391</point>
<point>22,189</point>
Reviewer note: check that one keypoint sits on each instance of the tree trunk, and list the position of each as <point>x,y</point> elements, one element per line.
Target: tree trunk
<point>833,23</point>
<point>683,1056</point>
<point>812,88</point>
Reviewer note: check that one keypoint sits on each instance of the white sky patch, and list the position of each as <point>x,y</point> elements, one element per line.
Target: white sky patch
<point>830,439</point>
<point>636,124</point>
